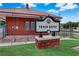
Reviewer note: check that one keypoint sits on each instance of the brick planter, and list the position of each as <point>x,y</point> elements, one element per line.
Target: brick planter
<point>47,42</point>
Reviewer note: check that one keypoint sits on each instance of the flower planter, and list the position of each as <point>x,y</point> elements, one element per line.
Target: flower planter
<point>47,41</point>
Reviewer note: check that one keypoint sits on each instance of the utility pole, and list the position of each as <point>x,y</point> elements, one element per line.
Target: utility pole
<point>71,29</point>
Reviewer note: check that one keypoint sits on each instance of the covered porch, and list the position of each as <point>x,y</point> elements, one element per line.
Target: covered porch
<point>20,24</point>
<point>18,38</point>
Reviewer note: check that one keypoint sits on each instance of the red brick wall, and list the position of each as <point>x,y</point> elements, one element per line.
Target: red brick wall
<point>20,22</point>
<point>47,43</point>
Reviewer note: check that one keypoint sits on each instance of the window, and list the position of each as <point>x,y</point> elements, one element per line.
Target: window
<point>27,25</point>
<point>32,25</point>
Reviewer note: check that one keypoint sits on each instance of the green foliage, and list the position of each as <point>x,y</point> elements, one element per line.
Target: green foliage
<point>70,24</point>
<point>2,22</point>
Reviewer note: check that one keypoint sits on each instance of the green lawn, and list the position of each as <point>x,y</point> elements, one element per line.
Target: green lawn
<point>65,49</point>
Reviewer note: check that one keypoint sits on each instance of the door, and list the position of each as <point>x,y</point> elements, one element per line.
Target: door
<point>15,26</point>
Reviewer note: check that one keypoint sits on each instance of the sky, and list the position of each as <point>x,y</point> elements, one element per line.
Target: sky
<point>68,11</point>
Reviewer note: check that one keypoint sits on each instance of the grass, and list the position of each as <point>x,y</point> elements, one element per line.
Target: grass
<point>65,49</point>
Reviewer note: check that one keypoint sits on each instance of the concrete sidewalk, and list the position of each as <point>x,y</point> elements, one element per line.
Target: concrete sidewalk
<point>76,48</point>
<point>20,43</point>
<point>15,43</point>
<point>68,39</point>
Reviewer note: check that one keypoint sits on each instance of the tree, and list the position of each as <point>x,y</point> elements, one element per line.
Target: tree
<point>71,24</point>
<point>2,22</point>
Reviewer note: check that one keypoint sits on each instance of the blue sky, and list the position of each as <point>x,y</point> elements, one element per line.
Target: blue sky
<point>69,11</point>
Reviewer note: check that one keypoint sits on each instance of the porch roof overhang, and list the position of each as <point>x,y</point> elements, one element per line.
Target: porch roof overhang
<point>26,13</point>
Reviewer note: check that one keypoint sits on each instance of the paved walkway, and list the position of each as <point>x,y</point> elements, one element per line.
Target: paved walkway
<point>19,43</point>
<point>76,48</point>
<point>68,39</point>
<point>15,43</point>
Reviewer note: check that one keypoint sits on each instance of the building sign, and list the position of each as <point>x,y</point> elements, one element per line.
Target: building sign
<point>47,25</point>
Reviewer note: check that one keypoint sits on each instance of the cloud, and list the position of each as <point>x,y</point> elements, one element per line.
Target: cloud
<point>68,18</point>
<point>66,6</point>
<point>30,5</point>
<point>0,4</point>
<point>53,11</point>
<point>18,7</point>
<point>63,7</point>
<point>69,6</point>
<point>78,17</point>
<point>46,4</point>
<point>60,4</point>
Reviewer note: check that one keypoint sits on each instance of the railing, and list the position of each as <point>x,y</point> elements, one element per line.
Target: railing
<point>67,33</point>
<point>63,33</point>
<point>17,38</point>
